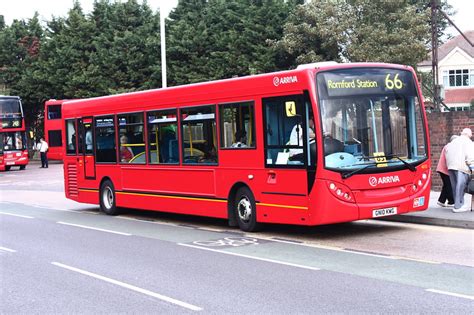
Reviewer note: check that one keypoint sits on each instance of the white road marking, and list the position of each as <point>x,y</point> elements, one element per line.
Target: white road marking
<point>353,251</point>
<point>145,221</point>
<point>131,287</point>
<point>464,296</point>
<point>17,215</point>
<point>251,257</point>
<point>7,249</point>
<point>417,260</point>
<point>93,228</point>
<point>50,208</point>
<point>339,249</point>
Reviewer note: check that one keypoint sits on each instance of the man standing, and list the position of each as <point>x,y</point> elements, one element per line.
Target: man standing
<point>459,160</point>
<point>43,149</point>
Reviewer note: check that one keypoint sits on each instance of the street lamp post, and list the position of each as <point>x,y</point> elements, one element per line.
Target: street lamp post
<point>163,47</point>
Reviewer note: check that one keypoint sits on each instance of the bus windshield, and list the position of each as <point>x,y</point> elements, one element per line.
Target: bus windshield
<point>12,141</point>
<point>371,119</point>
<point>10,113</point>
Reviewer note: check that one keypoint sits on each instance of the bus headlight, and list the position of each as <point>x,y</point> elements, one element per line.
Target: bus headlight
<point>340,191</point>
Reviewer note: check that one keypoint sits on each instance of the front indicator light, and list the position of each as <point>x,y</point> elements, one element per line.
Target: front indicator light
<point>341,192</point>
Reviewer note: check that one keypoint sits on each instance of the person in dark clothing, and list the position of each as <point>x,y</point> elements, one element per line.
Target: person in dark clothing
<point>442,170</point>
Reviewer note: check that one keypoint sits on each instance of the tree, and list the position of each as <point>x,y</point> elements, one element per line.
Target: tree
<point>392,31</point>
<point>65,57</point>
<point>188,41</point>
<point>127,47</point>
<point>20,44</point>
<point>218,39</point>
<point>309,35</point>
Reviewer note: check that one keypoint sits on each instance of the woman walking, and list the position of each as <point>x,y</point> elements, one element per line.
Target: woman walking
<point>442,169</point>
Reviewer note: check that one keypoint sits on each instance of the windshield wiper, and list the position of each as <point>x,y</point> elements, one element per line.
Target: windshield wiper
<point>349,174</point>
<point>408,165</point>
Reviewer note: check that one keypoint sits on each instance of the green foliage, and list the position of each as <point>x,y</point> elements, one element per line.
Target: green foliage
<point>218,39</point>
<point>116,48</point>
<point>20,44</point>
<point>394,31</point>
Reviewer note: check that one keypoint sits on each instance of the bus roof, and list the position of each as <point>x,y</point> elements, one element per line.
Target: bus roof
<point>276,83</point>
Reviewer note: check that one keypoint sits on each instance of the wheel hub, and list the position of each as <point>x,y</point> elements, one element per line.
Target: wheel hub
<point>108,197</point>
<point>244,209</point>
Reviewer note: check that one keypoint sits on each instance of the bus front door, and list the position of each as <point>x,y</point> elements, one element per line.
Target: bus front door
<point>89,159</point>
<point>287,158</point>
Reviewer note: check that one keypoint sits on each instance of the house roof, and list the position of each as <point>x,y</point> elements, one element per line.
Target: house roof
<point>459,96</point>
<point>446,48</point>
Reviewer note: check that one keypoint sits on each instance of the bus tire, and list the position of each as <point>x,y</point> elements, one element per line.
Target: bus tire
<point>108,203</point>
<point>246,210</point>
<point>22,167</point>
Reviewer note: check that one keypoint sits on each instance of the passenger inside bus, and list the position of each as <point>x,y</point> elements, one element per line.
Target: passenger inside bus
<point>88,138</point>
<point>72,143</point>
<point>209,156</point>
<point>126,154</point>
<point>296,138</point>
<point>240,139</point>
<point>18,141</point>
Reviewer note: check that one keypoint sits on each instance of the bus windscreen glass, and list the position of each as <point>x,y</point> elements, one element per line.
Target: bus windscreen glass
<point>10,113</point>
<point>371,118</point>
<point>13,141</point>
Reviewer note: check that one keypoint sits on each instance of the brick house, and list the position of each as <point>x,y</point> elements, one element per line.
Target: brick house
<point>456,71</point>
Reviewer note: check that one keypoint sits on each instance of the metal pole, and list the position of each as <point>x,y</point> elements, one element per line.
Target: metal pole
<point>163,47</point>
<point>434,51</point>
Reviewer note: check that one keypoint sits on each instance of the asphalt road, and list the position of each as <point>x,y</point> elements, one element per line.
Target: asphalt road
<point>57,256</point>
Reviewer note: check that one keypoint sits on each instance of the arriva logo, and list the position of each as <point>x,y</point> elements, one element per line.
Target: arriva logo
<point>284,80</point>
<point>373,181</point>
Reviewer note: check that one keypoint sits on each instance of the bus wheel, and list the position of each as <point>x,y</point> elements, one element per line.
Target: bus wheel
<point>107,198</point>
<point>22,167</point>
<point>7,168</point>
<point>245,209</point>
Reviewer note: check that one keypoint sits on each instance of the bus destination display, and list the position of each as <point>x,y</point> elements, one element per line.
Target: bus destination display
<point>366,82</point>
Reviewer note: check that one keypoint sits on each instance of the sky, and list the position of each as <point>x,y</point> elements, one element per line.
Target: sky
<point>24,9</point>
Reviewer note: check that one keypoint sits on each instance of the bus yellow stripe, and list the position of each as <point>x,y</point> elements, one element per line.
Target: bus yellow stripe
<point>281,206</point>
<point>167,196</point>
<point>89,190</point>
<point>195,198</point>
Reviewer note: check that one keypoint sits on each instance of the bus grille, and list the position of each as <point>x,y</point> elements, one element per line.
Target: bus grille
<point>72,180</point>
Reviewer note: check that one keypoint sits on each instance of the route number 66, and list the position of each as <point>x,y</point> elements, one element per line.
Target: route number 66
<point>395,83</point>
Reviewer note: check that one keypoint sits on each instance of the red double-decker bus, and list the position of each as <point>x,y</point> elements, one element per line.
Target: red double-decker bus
<point>321,144</point>
<point>53,128</point>
<point>13,149</point>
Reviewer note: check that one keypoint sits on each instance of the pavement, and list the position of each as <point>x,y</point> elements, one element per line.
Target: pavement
<point>436,215</point>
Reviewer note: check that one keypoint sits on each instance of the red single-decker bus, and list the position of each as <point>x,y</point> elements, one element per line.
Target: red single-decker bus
<point>321,144</point>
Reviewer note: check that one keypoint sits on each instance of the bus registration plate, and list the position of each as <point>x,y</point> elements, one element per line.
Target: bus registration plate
<point>384,212</point>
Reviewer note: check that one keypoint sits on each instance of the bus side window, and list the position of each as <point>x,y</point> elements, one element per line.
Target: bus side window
<point>131,140</point>
<point>237,125</point>
<point>199,140</point>
<point>54,112</point>
<point>71,136</point>
<point>104,139</point>
<point>163,137</point>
